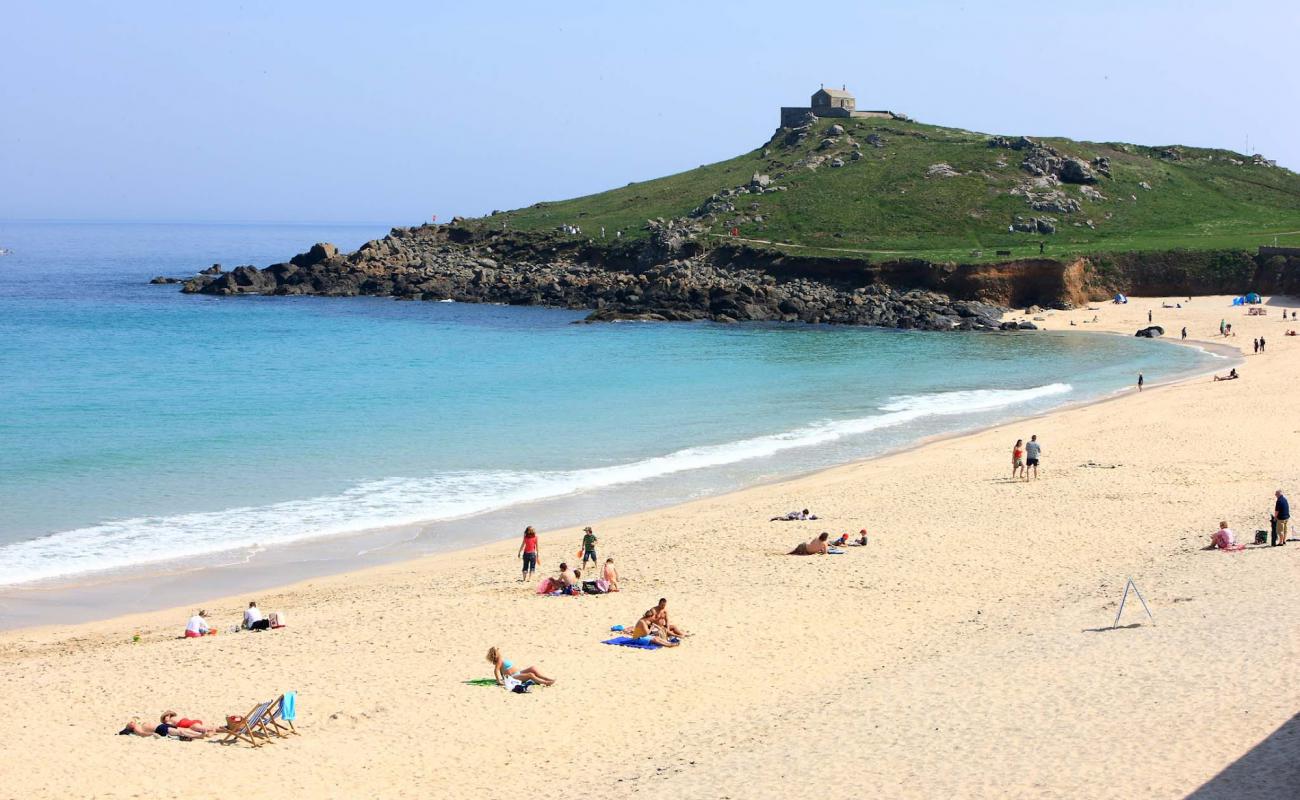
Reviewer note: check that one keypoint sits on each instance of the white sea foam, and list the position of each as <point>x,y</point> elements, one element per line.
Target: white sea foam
<point>449,495</point>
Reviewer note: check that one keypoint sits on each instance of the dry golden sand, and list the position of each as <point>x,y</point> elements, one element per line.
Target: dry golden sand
<point>961,654</point>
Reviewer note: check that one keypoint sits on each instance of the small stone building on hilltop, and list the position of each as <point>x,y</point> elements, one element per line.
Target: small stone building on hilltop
<point>829,103</point>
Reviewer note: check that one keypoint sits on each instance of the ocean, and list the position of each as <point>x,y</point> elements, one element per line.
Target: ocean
<point>147,430</point>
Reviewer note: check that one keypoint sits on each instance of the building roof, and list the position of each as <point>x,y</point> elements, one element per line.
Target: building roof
<point>835,92</point>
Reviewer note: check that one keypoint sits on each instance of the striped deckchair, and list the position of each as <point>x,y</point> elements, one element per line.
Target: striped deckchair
<point>252,729</point>
<point>284,710</point>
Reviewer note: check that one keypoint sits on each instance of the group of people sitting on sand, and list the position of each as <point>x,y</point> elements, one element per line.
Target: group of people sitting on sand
<point>654,628</point>
<point>254,620</point>
<point>170,725</point>
<point>568,581</point>
<point>822,545</point>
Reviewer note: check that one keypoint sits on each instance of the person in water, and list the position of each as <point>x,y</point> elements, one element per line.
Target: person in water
<point>503,668</point>
<point>817,547</point>
<point>528,551</point>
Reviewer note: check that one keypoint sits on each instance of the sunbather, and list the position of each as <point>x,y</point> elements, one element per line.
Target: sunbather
<point>817,547</point>
<point>659,614</point>
<point>611,575</point>
<point>647,631</point>
<point>185,723</point>
<point>1231,376</point>
<point>794,516</point>
<point>138,728</point>
<point>503,668</point>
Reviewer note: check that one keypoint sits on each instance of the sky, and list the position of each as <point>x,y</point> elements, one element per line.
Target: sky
<point>397,111</point>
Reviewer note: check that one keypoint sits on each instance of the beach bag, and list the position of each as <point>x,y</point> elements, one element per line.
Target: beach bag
<point>277,619</point>
<point>592,587</point>
<point>515,685</point>
<point>1261,537</point>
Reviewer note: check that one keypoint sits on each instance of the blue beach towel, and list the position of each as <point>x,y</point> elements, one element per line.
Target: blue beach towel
<point>289,708</point>
<point>628,641</point>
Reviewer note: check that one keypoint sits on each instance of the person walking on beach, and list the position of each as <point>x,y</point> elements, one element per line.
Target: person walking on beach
<point>1261,344</point>
<point>589,548</point>
<point>1256,343</point>
<point>1148,315</point>
<point>1184,332</point>
<point>1032,451</point>
<point>1141,381</point>
<point>528,552</point>
<point>1281,517</point>
<point>1017,459</point>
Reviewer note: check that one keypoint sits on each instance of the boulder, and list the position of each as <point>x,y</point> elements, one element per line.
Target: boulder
<point>1045,225</point>
<point>1075,171</point>
<point>215,269</point>
<point>941,171</point>
<point>321,251</point>
<point>835,130</point>
<point>838,162</point>
<point>1150,332</point>
<point>161,279</point>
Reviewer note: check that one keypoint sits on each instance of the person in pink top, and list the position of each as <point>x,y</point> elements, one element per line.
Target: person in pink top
<point>1223,538</point>
<point>528,552</point>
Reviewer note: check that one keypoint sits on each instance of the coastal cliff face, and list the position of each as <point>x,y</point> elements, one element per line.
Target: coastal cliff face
<point>671,276</point>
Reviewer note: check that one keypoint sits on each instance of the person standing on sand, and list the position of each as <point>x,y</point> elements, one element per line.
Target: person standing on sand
<point>1261,344</point>
<point>1256,343</point>
<point>1281,516</point>
<point>1148,315</point>
<point>589,547</point>
<point>1141,381</point>
<point>1184,333</point>
<point>528,552</point>
<point>1017,458</point>
<point>611,575</point>
<point>1032,451</point>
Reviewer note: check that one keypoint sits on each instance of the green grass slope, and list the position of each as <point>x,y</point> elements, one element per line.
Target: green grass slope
<point>885,204</point>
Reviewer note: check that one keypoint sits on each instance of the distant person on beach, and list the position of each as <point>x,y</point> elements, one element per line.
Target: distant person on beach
<point>1184,333</point>
<point>1017,458</point>
<point>817,547</point>
<point>566,579</point>
<point>1032,452</point>
<point>1261,344</point>
<point>253,619</point>
<point>1141,381</point>
<point>1148,315</point>
<point>794,516</point>
<point>1231,376</point>
<point>196,725</point>
<point>1223,538</point>
<point>528,552</point>
<point>589,547</point>
<point>611,575</point>
<point>197,626</point>
<point>503,668</point>
<point>1256,342</point>
<point>647,631</point>
<point>138,728</point>
<point>1281,518</point>
<point>660,618</point>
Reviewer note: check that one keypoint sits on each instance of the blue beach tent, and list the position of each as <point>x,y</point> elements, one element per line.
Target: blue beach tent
<point>1252,298</point>
<point>1120,298</point>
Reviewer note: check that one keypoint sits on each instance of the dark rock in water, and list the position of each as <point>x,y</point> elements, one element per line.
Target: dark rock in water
<point>1151,332</point>
<point>215,269</point>
<point>162,279</point>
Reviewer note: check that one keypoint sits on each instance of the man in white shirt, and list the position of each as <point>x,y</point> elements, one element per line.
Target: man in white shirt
<point>197,626</point>
<point>253,619</point>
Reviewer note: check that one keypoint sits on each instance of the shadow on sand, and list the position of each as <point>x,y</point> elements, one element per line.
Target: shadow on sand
<point>1269,769</point>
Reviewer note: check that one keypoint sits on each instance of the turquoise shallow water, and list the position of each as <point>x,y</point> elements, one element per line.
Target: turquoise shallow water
<point>142,425</point>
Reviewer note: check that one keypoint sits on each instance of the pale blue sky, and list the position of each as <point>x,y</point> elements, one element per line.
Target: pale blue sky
<point>392,111</point>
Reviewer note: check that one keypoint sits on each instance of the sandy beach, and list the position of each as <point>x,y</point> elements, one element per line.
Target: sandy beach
<point>965,652</point>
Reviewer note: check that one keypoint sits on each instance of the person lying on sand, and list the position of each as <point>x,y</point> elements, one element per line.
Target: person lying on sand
<point>817,547</point>
<point>611,575</point>
<point>646,631</point>
<point>1231,376</point>
<point>1223,539</point>
<point>184,723</point>
<point>138,728</point>
<point>503,667</point>
<point>794,516</point>
<point>660,617</point>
